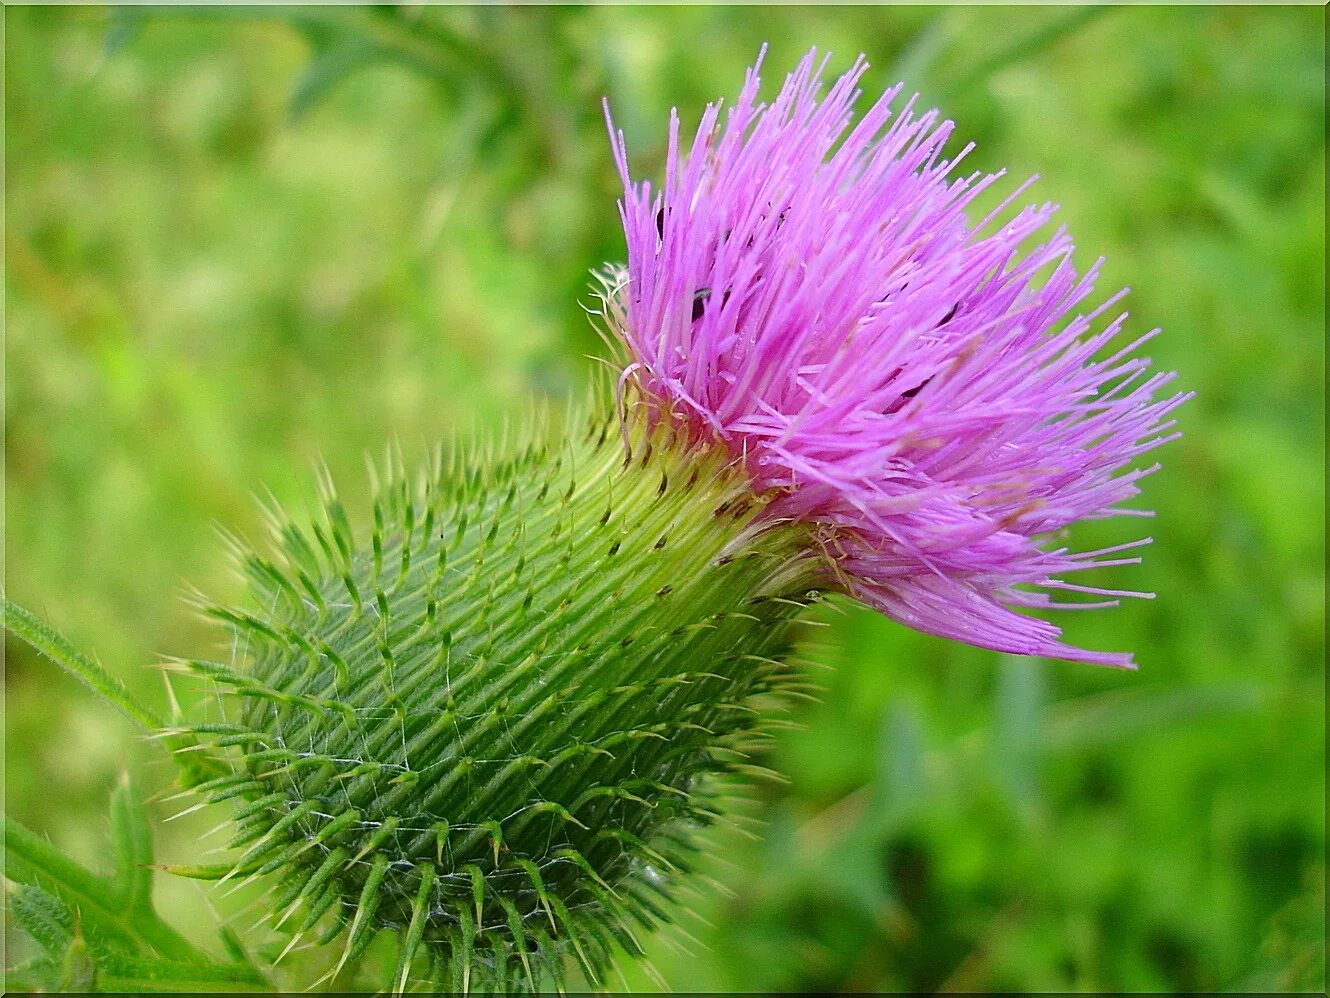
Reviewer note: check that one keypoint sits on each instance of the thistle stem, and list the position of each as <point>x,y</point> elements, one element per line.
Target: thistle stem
<point>55,646</point>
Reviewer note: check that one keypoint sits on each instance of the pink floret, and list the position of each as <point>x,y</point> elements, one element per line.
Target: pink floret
<point>809,291</point>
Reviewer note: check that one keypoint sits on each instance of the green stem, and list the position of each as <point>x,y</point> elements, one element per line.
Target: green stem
<point>57,648</point>
<point>195,766</point>
<point>27,854</point>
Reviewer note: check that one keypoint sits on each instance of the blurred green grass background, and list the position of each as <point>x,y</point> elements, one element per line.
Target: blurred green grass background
<point>238,240</point>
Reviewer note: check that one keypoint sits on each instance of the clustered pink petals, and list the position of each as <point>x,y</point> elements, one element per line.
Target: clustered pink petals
<point>809,291</point>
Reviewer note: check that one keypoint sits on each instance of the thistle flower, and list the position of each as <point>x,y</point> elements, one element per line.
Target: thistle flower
<point>808,293</point>
<point>494,723</point>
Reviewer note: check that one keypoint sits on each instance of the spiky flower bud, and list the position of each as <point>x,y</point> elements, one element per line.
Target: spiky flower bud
<point>494,723</point>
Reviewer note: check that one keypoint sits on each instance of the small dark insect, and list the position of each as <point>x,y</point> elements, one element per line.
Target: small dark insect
<point>660,221</point>
<point>951,314</point>
<point>700,298</point>
<point>700,302</point>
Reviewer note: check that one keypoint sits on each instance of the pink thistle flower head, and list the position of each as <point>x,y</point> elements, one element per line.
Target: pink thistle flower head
<point>811,293</point>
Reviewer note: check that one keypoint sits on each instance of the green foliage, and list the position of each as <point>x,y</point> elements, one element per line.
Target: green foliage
<point>101,932</point>
<point>205,292</point>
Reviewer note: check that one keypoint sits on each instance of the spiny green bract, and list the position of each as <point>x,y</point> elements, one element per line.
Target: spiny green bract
<point>496,726</point>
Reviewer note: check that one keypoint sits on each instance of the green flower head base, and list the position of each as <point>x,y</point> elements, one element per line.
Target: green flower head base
<point>496,725</point>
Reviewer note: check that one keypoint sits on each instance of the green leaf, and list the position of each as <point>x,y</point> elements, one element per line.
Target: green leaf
<point>330,66</point>
<point>99,900</point>
<point>1024,48</point>
<point>900,781</point>
<point>915,61</point>
<point>122,973</point>
<point>69,964</point>
<point>131,845</point>
<point>133,949</point>
<point>1111,717</point>
<point>1018,727</point>
<point>126,25</point>
<point>78,973</point>
<point>30,860</point>
<point>41,915</point>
